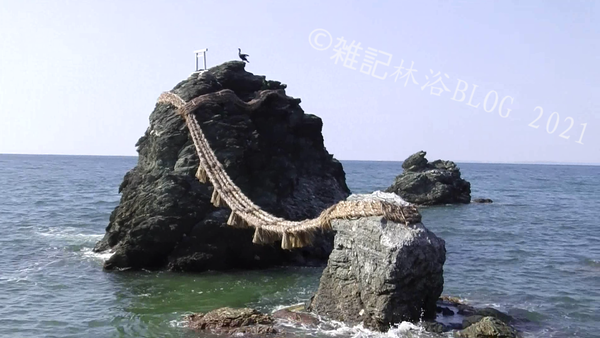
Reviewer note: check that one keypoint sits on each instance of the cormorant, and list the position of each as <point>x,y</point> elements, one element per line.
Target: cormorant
<point>243,56</point>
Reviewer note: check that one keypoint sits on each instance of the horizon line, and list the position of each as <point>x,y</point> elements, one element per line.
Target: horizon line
<point>357,160</point>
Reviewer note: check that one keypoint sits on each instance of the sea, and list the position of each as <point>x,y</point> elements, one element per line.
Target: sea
<point>533,253</point>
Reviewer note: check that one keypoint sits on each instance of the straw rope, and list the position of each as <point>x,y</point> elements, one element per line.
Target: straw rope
<point>244,213</point>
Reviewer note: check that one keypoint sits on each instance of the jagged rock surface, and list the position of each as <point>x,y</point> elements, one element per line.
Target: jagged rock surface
<point>275,154</point>
<point>430,183</point>
<point>381,273</point>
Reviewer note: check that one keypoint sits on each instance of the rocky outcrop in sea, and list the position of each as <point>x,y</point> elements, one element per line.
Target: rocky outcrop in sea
<point>380,272</point>
<point>430,183</point>
<point>275,154</point>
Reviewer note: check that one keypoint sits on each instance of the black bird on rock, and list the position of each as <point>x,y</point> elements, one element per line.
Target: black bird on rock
<point>243,56</point>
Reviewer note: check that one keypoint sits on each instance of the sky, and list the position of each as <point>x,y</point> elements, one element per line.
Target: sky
<point>471,81</point>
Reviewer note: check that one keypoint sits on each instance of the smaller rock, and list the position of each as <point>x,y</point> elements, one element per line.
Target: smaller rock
<point>430,183</point>
<point>482,200</point>
<point>488,327</point>
<point>229,321</point>
<point>381,273</point>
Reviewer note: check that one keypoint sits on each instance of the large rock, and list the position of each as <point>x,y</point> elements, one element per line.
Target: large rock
<point>380,272</point>
<point>275,154</point>
<point>430,183</point>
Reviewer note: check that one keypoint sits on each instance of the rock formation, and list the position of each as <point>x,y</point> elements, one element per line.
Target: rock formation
<point>430,183</point>
<point>380,272</point>
<point>275,154</point>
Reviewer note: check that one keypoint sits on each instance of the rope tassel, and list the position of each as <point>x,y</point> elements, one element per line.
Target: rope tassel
<point>236,221</point>
<point>201,175</point>
<point>262,236</point>
<point>286,241</point>
<point>303,238</point>
<point>216,200</point>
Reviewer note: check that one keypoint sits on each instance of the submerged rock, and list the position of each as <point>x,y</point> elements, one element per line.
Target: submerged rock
<point>298,317</point>
<point>229,321</point>
<point>482,200</point>
<point>430,183</point>
<point>274,153</point>
<point>381,273</point>
<point>491,312</point>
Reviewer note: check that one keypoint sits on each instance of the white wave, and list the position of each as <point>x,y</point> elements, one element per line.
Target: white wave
<point>339,329</point>
<point>69,234</point>
<point>281,307</point>
<point>10,279</point>
<point>359,331</point>
<point>20,275</point>
<point>178,323</point>
<point>103,256</point>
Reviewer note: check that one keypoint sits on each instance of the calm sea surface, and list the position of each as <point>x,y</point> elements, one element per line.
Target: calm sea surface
<point>534,252</point>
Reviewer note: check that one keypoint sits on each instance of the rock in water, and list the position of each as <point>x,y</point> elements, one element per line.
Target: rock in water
<point>381,273</point>
<point>482,200</point>
<point>232,322</point>
<point>274,153</point>
<point>489,327</point>
<point>430,183</point>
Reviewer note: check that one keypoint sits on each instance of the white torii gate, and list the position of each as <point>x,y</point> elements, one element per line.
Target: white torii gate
<point>197,53</point>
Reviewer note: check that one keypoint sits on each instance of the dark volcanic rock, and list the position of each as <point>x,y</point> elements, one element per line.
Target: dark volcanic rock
<point>381,273</point>
<point>232,322</point>
<point>445,311</point>
<point>275,154</point>
<point>430,183</point>
<point>482,200</point>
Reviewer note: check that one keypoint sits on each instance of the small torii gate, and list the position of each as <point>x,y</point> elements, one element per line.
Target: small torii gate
<point>197,54</point>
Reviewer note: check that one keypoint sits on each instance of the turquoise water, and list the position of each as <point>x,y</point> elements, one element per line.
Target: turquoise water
<point>534,253</point>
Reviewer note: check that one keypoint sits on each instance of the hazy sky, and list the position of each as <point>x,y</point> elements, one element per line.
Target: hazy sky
<point>82,77</point>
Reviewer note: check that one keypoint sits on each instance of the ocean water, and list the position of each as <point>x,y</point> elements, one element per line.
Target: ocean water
<point>534,252</point>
